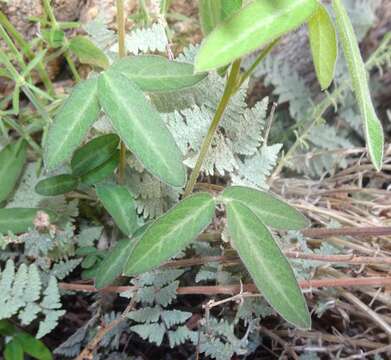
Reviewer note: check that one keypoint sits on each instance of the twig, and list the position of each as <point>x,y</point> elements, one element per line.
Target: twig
<point>279,340</point>
<point>87,352</point>
<point>235,289</point>
<point>349,231</point>
<point>372,314</point>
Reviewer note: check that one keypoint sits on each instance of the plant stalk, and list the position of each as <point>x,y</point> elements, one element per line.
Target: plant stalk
<point>228,92</point>
<point>121,53</point>
<point>261,56</point>
<point>26,49</point>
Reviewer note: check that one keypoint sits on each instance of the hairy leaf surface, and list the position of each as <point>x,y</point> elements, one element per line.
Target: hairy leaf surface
<point>120,204</point>
<point>270,209</point>
<point>57,185</point>
<point>111,267</point>
<point>157,74</point>
<point>171,233</point>
<point>324,48</point>
<point>88,52</point>
<point>12,161</point>
<point>140,127</point>
<point>372,125</point>
<point>255,25</point>
<point>93,154</point>
<point>266,264</point>
<point>72,122</point>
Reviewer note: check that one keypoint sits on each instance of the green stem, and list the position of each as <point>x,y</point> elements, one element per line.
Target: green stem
<point>25,135</point>
<point>72,66</point>
<point>26,49</point>
<point>49,13</point>
<point>121,53</point>
<point>261,56</point>
<point>228,92</point>
<point>12,47</point>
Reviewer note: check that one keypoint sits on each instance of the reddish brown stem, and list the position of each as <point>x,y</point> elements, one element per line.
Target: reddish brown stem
<point>235,289</point>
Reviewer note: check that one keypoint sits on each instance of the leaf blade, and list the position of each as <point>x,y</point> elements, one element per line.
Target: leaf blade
<point>270,209</point>
<point>323,43</point>
<point>140,127</point>
<point>93,154</point>
<point>154,73</point>
<point>120,204</point>
<point>372,125</point>
<point>266,264</point>
<point>12,160</point>
<point>171,233</point>
<point>57,185</point>
<point>88,52</point>
<point>111,267</point>
<point>244,32</point>
<point>72,122</point>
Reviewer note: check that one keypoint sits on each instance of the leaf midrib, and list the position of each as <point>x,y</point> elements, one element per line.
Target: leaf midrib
<point>173,230</point>
<point>267,271</point>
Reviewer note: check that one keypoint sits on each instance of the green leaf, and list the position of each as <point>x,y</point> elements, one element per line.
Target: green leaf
<point>111,267</point>
<point>271,210</point>
<point>72,122</point>
<point>140,127</point>
<point>266,264</point>
<point>101,172</point>
<point>93,154</point>
<point>153,73</point>
<point>229,7</point>
<point>33,346</point>
<point>171,233</point>
<point>12,160</point>
<point>19,220</point>
<point>120,204</point>
<point>324,48</point>
<point>6,328</point>
<point>372,125</point>
<point>13,351</point>
<point>88,53</point>
<point>54,37</point>
<point>209,12</point>
<point>57,185</point>
<point>257,24</point>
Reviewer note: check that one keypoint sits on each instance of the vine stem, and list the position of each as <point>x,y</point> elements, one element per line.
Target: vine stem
<point>229,90</point>
<point>236,289</point>
<point>121,54</point>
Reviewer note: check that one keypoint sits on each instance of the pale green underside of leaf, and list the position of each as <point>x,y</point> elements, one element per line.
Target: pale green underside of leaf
<point>252,27</point>
<point>118,201</point>
<point>171,233</point>
<point>271,210</point>
<point>72,123</point>
<point>153,73</point>
<point>372,125</point>
<point>324,48</point>
<point>88,52</point>
<point>266,264</point>
<point>12,160</point>
<point>140,127</point>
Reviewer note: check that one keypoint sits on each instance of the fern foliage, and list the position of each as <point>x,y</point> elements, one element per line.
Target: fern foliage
<point>24,295</point>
